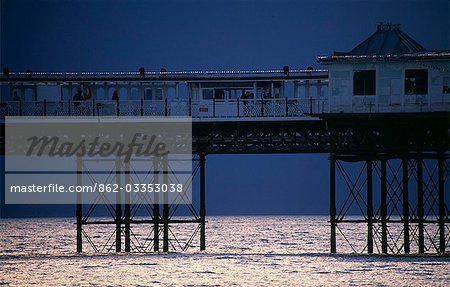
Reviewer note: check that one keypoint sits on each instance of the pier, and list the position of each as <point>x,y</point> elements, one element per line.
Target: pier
<point>385,114</point>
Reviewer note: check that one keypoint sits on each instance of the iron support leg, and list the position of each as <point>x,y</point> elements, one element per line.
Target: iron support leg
<point>405,178</point>
<point>369,208</point>
<point>441,205</point>
<point>166,207</point>
<point>202,203</point>
<point>155,208</point>
<point>420,212</point>
<point>118,211</point>
<point>127,211</point>
<point>384,247</point>
<point>79,209</point>
<point>333,204</point>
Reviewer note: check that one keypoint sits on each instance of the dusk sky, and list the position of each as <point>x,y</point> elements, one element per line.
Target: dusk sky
<point>207,35</point>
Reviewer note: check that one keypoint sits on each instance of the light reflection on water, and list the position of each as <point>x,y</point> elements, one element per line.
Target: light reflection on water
<point>248,251</point>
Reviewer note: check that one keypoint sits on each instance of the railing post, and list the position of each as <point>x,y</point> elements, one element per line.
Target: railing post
<point>93,107</point>
<point>45,107</point>
<point>262,107</point>
<point>166,112</point>
<point>214,107</point>
<point>20,107</point>
<point>70,108</point>
<point>142,107</point>
<point>286,106</point>
<point>238,107</point>
<point>310,105</point>
<point>99,107</point>
<point>190,106</point>
<point>118,108</point>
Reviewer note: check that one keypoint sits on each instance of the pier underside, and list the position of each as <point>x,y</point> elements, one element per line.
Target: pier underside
<point>389,184</point>
<point>397,203</point>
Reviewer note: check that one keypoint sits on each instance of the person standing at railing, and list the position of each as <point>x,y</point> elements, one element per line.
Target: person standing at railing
<point>115,96</point>
<point>87,93</point>
<point>245,97</point>
<point>77,98</point>
<point>15,97</point>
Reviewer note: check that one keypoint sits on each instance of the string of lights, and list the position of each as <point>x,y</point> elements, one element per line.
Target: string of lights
<point>431,55</point>
<point>169,73</point>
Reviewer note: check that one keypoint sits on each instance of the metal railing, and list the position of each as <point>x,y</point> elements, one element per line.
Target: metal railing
<point>279,107</point>
<point>237,108</point>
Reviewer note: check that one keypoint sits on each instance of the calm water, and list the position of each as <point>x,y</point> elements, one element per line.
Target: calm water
<point>242,251</point>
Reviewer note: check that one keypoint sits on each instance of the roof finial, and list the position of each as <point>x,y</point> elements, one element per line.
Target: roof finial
<point>387,27</point>
<point>380,26</point>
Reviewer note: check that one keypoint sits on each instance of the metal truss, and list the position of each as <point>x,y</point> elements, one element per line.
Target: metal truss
<point>142,223</point>
<point>329,133</point>
<point>402,200</point>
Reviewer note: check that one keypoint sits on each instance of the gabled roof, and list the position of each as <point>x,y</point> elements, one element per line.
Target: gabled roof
<point>387,43</point>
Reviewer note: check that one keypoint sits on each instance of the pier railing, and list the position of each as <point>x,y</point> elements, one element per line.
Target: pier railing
<point>282,107</point>
<point>237,108</point>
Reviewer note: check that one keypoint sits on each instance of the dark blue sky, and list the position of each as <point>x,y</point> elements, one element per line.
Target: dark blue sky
<point>100,35</point>
<point>182,35</point>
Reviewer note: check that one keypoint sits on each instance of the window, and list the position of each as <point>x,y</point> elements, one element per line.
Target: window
<point>364,83</point>
<point>155,94</point>
<point>416,82</point>
<point>148,94</point>
<point>445,85</point>
<point>208,94</point>
<point>159,94</point>
<point>219,94</point>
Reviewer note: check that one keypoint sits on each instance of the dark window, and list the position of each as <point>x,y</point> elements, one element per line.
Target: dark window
<point>148,94</point>
<point>219,94</point>
<point>364,83</point>
<point>208,94</point>
<point>158,94</point>
<point>446,85</point>
<point>416,82</point>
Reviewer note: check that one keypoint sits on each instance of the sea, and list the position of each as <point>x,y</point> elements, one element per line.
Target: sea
<point>241,251</point>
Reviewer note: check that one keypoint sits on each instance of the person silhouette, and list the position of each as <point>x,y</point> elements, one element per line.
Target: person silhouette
<point>15,97</point>
<point>115,96</point>
<point>77,98</point>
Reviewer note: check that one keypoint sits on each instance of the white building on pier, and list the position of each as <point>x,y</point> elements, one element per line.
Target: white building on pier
<point>388,72</point>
